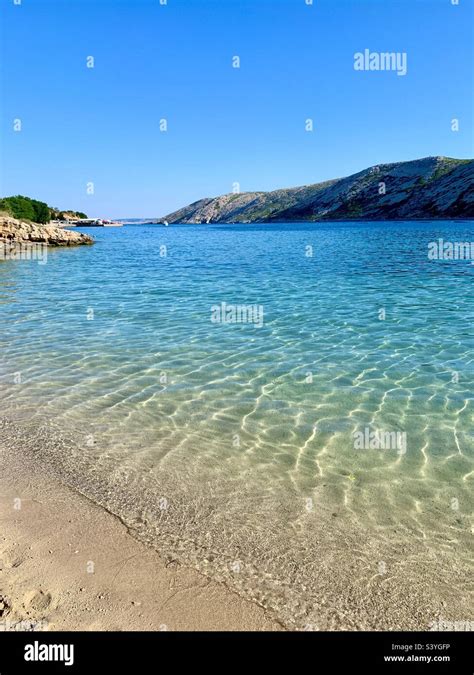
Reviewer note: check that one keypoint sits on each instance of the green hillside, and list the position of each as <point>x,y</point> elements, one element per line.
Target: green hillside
<point>25,208</point>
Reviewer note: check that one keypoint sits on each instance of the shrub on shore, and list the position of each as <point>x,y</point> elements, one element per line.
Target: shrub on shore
<point>25,208</point>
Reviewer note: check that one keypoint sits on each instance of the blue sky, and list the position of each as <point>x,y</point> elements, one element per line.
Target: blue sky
<point>225,125</point>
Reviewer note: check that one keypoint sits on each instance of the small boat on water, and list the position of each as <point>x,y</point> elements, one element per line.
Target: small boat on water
<point>95,222</point>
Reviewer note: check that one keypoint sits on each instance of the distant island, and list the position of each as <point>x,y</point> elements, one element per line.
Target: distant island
<point>429,188</point>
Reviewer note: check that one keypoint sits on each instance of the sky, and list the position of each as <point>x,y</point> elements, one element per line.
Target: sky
<point>93,138</point>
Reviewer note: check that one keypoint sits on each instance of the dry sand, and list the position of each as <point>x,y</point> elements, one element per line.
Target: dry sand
<point>71,565</point>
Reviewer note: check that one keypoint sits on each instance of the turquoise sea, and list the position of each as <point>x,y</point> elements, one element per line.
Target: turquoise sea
<point>230,446</point>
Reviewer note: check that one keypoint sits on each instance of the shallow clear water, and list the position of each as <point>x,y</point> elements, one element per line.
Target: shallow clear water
<point>231,446</point>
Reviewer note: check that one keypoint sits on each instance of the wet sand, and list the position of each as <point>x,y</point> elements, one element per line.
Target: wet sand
<point>67,564</point>
<point>71,563</point>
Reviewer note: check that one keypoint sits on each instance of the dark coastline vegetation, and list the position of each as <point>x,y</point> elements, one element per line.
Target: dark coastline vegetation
<point>35,211</point>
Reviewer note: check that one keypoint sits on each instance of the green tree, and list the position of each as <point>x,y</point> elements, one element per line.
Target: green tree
<point>25,208</point>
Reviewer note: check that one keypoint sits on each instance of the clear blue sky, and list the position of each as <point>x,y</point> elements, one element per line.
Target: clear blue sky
<point>224,124</point>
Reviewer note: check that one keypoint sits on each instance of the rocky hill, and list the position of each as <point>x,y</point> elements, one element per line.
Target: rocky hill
<point>433,187</point>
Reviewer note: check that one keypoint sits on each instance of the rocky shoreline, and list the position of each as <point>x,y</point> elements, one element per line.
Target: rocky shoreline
<point>13,231</point>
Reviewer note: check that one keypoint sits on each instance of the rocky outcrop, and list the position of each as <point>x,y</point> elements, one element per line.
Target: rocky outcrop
<point>429,188</point>
<point>17,231</point>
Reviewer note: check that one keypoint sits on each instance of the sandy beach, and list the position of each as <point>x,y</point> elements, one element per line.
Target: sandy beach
<point>67,564</point>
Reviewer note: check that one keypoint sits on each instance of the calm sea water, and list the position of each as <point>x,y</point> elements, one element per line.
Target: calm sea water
<point>230,446</point>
